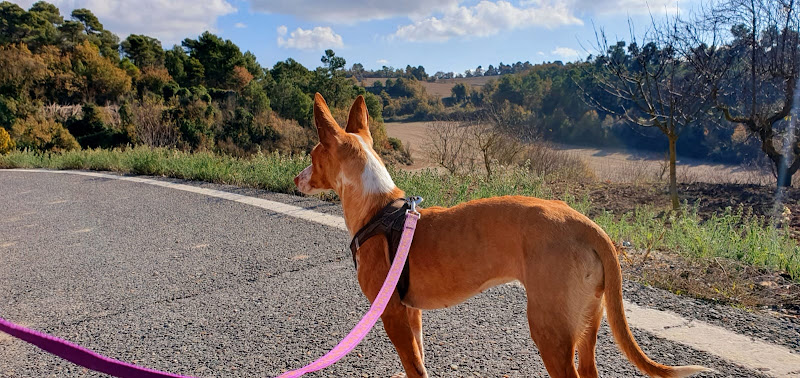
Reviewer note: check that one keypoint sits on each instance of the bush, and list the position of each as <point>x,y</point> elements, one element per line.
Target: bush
<point>6,144</point>
<point>396,144</point>
<point>151,127</point>
<point>556,164</point>
<point>95,129</point>
<point>43,135</point>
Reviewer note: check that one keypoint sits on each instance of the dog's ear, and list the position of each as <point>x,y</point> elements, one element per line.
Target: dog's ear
<point>327,128</point>
<point>358,121</point>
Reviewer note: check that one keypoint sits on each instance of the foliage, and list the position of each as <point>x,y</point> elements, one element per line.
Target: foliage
<point>6,143</point>
<point>99,80</point>
<point>42,134</point>
<point>204,94</point>
<point>143,51</point>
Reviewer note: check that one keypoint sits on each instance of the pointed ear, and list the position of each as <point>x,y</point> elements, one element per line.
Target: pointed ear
<point>358,121</point>
<point>327,128</point>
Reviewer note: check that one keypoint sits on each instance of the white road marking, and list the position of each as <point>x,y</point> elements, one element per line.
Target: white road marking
<point>743,350</point>
<point>754,354</point>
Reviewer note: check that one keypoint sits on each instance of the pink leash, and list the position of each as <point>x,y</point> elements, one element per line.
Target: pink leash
<point>91,360</point>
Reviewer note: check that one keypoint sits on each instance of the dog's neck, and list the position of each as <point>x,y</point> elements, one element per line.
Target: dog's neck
<point>360,207</point>
<point>364,196</point>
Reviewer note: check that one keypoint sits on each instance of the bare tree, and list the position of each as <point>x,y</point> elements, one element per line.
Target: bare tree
<point>650,85</point>
<point>448,145</point>
<point>753,77</point>
<point>493,145</point>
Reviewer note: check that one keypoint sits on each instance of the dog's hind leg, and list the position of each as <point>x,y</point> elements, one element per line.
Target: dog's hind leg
<point>587,364</point>
<point>403,325</point>
<point>555,340</point>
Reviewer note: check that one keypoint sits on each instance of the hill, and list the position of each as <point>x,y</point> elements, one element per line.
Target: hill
<point>441,88</point>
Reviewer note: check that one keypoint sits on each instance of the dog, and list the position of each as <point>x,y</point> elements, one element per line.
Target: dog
<point>566,263</point>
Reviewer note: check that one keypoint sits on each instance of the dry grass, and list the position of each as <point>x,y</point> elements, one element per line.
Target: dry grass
<point>61,113</point>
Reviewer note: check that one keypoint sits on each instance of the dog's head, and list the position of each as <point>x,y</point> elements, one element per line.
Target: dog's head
<point>343,159</point>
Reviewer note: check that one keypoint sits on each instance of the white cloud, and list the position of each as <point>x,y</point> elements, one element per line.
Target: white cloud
<point>240,25</point>
<point>484,19</point>
<point>312,39</point>
<point>612,7</point>
<point>566,53</point>
<point>352,11</point>
<point>382,61</point>
<point>168,20</point>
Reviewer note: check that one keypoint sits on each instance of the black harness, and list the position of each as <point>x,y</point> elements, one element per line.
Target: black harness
<point>389,223</point>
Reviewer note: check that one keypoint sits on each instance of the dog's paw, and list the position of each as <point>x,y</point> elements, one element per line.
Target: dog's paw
<point>399,375</point>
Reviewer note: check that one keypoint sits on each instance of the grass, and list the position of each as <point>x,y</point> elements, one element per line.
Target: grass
<point>272,171</point>
<point>731,234</point>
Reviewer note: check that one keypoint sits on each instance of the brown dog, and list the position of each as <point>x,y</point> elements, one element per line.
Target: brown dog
<point>566,262</point>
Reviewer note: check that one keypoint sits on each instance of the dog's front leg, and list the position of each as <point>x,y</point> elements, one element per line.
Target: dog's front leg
<point>403,324</point>
<point>404,327</point>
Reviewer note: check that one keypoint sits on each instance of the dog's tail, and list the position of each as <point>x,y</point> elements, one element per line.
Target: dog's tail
<point>607,253</point>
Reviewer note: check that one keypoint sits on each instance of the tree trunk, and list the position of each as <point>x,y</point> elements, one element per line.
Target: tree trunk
<point>784,172</point>
<point>487,163</point>
<point>673,174</point>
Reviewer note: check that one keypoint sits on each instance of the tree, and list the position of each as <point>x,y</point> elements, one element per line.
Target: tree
<point>11,23</point>
<point>651,87</point>
<point>334,63</point>
<point>47,11</point>
<point>71,33</point>
<point>108,44</point>
<point>218,58</point>
<point>357,71</point>
<point>143,50</point>
<point>90,22</point>
<point>186,70</point>
<point>101,80</point>
<point>23,72</point>
<point>493,144</point>
<point>754,78</point>
<point>447,145</point>
<point>459,92</point>
<point>35,28</point>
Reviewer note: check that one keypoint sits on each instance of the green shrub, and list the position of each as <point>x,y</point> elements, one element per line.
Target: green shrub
<point>43,135</point>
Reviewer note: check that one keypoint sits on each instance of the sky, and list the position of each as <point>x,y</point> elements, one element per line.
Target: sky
<point>441,35</point>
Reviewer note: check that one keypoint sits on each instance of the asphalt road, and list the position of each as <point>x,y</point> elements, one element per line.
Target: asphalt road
<point>203,286</point>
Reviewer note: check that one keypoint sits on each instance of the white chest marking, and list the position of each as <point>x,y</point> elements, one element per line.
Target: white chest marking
<point>375,178</point>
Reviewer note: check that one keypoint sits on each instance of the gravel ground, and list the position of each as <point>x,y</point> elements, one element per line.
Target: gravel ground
<point>203,286</point>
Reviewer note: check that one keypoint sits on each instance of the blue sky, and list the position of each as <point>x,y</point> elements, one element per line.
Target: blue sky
<point>441,35</point>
